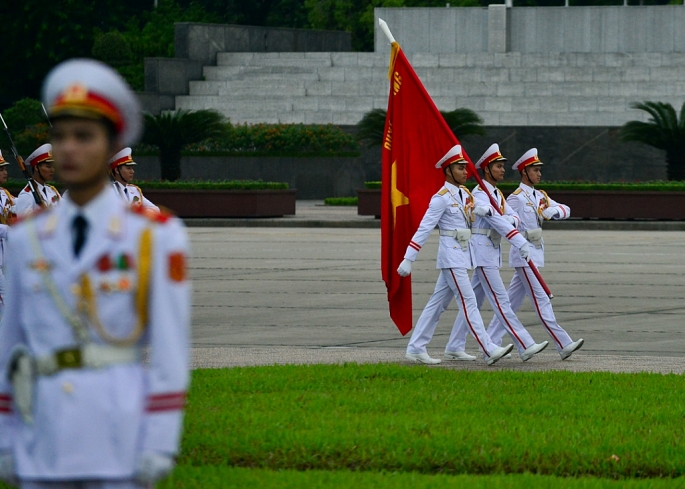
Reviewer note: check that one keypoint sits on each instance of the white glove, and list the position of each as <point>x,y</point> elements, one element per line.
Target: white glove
<point>550,213</point>
<point>8,471</point>
<point>512,220</point>
<point>482,211</point>
<point>405,268</point>
<point>152,466</point>
<point>524,251</point>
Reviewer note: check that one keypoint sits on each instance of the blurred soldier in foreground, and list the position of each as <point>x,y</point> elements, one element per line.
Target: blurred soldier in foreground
<point>43,171</point>
<point>6,217</point>
<point>122,165</point>
<point>92,282</point>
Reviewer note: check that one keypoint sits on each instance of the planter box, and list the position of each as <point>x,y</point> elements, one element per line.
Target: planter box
<point>369,203</point>
<point>584,204</point>
<point>225,203</point>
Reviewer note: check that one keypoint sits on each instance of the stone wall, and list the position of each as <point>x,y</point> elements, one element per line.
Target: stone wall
<point>607,29</point>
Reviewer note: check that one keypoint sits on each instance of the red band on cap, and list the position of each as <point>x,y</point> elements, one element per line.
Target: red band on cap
<point>529,161</point>
<point>494,156</point>
<point>121,161</point>
<point>77,98</point>
<point>40,158</point>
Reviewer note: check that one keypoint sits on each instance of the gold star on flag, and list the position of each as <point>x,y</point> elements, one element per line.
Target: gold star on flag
<point>397,198</point>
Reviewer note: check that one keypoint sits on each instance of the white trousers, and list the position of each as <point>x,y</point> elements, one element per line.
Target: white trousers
<point>88,484</point>
<point>3,291</point>
<point>524,283</point>
<point>487,282</point>
<point>452,283</point>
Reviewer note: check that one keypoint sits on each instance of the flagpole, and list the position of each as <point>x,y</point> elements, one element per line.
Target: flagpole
<point>386,30</point>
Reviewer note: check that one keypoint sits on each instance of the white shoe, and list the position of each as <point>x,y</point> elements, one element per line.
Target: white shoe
<point>570,348</point>
<point>533,350</point>
<point>422,358</point>
<point>459,355</point>
<point>499,353</point>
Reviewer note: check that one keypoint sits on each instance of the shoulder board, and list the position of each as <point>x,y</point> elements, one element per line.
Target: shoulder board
<point>543,192</point>
<point>27,188</point>
<point>56,192</point>
<point>443,191</point>
<point>152,215</point>
<point>477,188</point>
<point>517,191</point>
<point>11,197</point>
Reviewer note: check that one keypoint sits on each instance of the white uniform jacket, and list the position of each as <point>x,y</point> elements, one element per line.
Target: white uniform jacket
<point>26,203</point>
<point>92,423</point>
<point>488,255</point>
<point>450,209</point>
<point>529,204</point>
<point>134,195</point>
<point>7,203</point>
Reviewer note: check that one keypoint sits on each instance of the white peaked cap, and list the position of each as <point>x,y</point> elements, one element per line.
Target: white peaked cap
<point>454,155</point>
<point>43,153</point>
<point>3,161</point>
<point>123,157</point>
<point>91,89</point>
<point>529,158</point>
<point>492,154</point>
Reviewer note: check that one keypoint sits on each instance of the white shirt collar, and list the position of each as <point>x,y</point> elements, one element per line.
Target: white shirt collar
<point>526,188</point>
<point>94,210</point>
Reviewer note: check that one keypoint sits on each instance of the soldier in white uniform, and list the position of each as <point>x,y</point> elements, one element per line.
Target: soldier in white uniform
<point>43,172</point>
<point>450,209</point>
<point>6,217</point>
<point>488,231</point>
<point>93,282</point>
<point>533,207</point>
<point>122,165</point>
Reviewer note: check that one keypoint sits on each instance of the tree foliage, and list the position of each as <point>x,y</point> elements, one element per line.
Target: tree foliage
<point>664,130</point>
<point>172,131</point>
<point>463,122</point>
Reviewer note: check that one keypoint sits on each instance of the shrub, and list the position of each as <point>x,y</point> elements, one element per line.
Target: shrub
<point>341,201</point>
<point>26,112</point>
<point>113,49</point>
<point>31,137</point>
<point>279,139</point>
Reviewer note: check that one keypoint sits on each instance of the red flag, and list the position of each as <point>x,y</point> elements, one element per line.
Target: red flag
<point>416,137</point>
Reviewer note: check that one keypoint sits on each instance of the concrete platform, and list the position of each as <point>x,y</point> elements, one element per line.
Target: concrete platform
<point>274,295</point>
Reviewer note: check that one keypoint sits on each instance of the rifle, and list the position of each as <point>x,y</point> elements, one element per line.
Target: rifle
<point>22,166</point>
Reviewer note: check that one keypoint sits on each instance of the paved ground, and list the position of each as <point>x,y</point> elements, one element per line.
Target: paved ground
<point>273,295</point>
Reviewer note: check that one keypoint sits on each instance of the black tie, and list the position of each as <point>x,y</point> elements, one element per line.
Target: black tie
<point>45,192</point>
<point>80,229</point>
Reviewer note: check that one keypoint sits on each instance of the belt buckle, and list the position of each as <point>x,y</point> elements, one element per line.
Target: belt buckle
<point>70,358</point>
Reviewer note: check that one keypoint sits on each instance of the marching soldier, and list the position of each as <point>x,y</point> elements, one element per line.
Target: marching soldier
<point>43,172</point>
<point>122,165</point>
<point>6,217</point>
<point>533,207</point>
<point>488,231</point>
<point>92,283</point>
<point>450,209</point>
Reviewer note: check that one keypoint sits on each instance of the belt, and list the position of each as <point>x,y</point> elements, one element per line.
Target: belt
<point>453,233</point>
<point>90,356</point>
<point>484,232</point>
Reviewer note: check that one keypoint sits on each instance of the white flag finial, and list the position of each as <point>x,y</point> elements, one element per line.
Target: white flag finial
<point>386,30</point>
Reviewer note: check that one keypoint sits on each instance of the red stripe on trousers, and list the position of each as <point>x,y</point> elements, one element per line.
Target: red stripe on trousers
<point>466,314</point>
<point>511,330</point>
<point>537,308</point>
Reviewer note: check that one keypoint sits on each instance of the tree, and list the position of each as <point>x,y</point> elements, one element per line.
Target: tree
<point>462,122</point>
<point>663,131</point>
<point>172,131</point>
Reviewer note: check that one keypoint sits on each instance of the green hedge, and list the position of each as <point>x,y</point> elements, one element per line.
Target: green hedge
<point>655,186</point>
<point>341,201</point>
<point>294,140</point>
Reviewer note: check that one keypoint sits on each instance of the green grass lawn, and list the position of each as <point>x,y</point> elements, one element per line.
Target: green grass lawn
<point>398,426</point>
<point>399,418</point>
<point>228,477</point>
